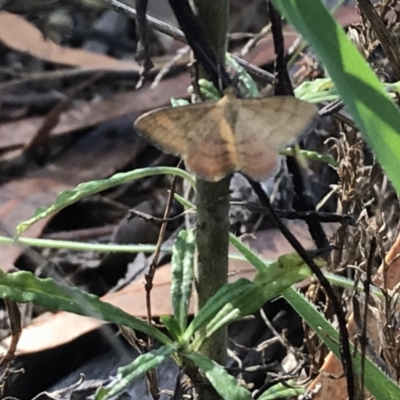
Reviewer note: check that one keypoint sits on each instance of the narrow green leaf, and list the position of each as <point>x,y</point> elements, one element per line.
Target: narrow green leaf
<point>281,390</point>
<point>172,326</point>
<point>182,276</point>
<point>243,75</point>
<point>86,189</point>
<point>178,102</point>
<point>226,294</point>
<point>23,287</point>
<point>311,156</point>
<point>207,89</point>
<point>249,254</point>
<point>317,91</point>
<point>270,283</point>
<point>225,384</point>
<point>127,374</point>
<point>361,91</point>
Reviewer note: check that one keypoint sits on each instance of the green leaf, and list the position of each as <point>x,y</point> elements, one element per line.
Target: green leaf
<point>252,257</point>
<point>23,287</point>
<point>227,293</point>
<point>243,75</point>
<point>127,374</point>
<point>376,381</point>
<point>269,283</point>
<point>178,102</point>
<point>225,384</point>
<point>281,390</point>
<point>317,91</point>
<point>310,155</point>
<point>86,189</point>
<point>172,327</point>
<point>208,90</point>
<point>182,275</point>
<point>361,91</point>
<point>231,302</point>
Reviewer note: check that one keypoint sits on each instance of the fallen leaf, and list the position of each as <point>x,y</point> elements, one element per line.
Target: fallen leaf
<point>21,35</point>
<point>21,132</point>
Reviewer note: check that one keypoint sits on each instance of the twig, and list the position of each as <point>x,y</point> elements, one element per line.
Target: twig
<point>151,218</point>
<point>14,316</point>
<point>142,48</point>
<point>344,346</point>
<point>283,85</point>
<point>287,214</point>
<point>151,374</point>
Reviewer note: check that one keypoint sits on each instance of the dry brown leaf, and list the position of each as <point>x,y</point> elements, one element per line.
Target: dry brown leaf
<point>18,201</point>
<point>21,132</point>
<point>21,35</point>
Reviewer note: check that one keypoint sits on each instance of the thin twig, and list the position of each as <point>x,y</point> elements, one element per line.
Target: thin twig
<point>149,277</point>
<point>344,346</point>
<point>288,214</point>
<point>153,265</point>
<point>14,316</point>
<point>142,49</point>
<point>151,218</point>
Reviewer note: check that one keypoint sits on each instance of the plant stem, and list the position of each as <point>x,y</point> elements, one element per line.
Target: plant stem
<point>212,204</point>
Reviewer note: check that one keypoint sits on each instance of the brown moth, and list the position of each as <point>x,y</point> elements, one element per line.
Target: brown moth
<point>217,138</point>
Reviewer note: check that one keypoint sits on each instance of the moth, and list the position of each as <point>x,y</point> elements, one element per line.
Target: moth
<point>217,138</point>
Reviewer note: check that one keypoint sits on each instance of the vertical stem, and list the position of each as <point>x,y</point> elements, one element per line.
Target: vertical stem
<point>212,203</point>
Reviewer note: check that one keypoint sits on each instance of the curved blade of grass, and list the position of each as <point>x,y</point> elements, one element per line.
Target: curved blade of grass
<point>127,374</point>
<point>182,275</point>
<point>362,93</point>
<point>84,246</point>
<point>23,287</point>
<point>226,385</point>
<point>376,381</point>
<point>86,189</point>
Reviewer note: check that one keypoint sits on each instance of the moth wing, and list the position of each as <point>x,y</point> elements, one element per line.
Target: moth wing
<point>212,155</point>
<point>267,125</point>
<point>171,128</point>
